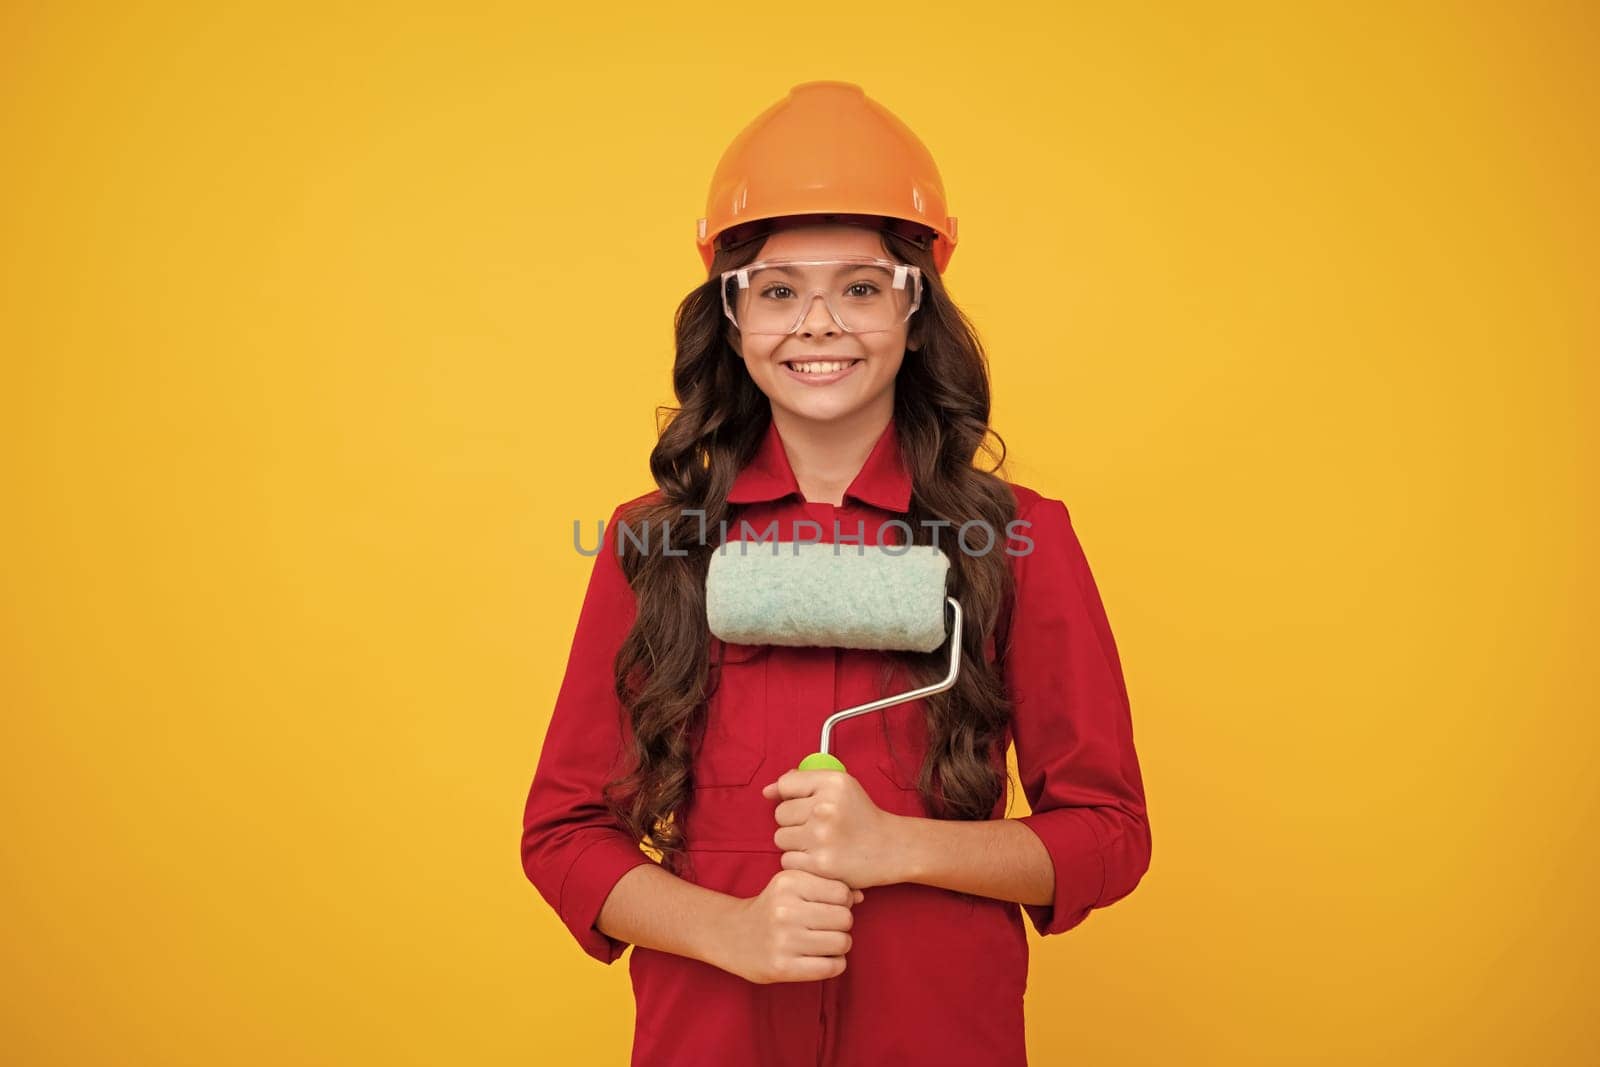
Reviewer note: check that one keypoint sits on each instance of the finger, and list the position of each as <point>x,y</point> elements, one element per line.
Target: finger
<point>815,968</point>
<point>795,860</point>
<point>791,784</point>
<point>794,812</point>
<point>791,838</point>
<point>823,942</point>
<point>827,917</point>
<point>820,889</point>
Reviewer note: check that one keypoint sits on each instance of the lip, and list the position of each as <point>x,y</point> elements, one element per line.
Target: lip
<point>820,379</point>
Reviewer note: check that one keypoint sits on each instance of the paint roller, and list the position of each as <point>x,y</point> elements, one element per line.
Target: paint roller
<point>799,593</point>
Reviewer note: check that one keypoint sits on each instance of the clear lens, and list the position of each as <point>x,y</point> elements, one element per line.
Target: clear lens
<point>863,295</point>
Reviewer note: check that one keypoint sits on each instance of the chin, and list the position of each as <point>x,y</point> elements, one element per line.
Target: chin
<point>819,410</point>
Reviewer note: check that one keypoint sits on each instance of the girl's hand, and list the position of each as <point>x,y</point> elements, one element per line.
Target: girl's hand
<point>828,826</point>
<point>794,931</point>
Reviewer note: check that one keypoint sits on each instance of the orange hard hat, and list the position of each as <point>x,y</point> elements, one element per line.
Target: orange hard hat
<point>826,152</point>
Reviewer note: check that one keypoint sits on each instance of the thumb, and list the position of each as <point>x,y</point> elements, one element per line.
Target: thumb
<point>860,896</point>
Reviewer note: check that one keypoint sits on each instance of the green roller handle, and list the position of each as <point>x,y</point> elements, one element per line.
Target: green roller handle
<point>821,761</point>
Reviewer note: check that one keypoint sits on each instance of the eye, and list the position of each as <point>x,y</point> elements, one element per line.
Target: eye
<point>868,286</point>
<point>773,289</point>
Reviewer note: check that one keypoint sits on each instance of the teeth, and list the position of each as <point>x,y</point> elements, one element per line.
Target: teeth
<point>822,368</point>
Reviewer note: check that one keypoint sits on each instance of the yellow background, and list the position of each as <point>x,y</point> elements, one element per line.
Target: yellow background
<point>320,326</point>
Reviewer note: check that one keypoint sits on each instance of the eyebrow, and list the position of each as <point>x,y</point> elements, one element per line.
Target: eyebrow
<point>845,269</point>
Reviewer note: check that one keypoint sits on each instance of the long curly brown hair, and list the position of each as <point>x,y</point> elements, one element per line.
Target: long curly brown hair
<point>941,412</point>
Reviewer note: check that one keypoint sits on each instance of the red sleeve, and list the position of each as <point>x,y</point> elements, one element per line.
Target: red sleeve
<point>1072,727</point>
<point>573,849</point>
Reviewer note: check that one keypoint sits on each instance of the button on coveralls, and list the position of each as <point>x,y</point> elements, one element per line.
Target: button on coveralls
<point>935,977</point>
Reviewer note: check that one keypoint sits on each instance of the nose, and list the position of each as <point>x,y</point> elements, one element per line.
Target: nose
<point>818,318</point>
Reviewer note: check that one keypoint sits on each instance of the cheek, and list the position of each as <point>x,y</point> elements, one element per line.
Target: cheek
<point>889,361</point>
<point>759,366</point>
<point>757,354</point>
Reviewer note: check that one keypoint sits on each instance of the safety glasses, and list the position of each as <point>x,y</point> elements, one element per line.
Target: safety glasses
<point>863,294</point>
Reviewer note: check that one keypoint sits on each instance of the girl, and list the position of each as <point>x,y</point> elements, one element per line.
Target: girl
<point>871,916</point>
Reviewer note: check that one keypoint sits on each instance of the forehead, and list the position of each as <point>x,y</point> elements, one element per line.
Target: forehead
<point>822,242</point>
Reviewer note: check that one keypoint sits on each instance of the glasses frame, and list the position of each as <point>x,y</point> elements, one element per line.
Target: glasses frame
<point>902,272</point>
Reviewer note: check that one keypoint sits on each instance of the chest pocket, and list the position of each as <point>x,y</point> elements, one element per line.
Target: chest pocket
<point>734,743</point>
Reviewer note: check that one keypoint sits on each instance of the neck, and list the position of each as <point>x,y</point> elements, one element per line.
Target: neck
<point>827,455</point>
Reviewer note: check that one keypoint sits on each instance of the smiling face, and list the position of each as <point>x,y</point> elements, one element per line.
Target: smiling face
<point>820,372</point>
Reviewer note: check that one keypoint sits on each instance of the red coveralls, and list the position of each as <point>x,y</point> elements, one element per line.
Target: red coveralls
<point>935,977</point>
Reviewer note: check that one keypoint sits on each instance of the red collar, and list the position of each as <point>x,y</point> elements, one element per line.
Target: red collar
<point>883,480</point>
